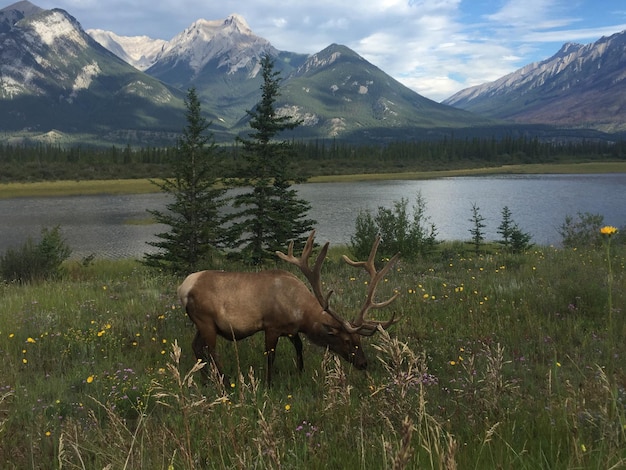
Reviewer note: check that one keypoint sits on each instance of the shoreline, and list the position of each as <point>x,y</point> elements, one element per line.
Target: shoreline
<point>143,186</point>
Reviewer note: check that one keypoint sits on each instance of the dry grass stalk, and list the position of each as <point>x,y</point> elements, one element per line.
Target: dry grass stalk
<point>401,456</point>
<point>407,375</point>
<point>337,388</point>
<point>267,443</point>
<point>187,398</point>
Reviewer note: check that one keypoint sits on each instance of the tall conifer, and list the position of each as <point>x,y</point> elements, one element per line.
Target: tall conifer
<point>193,215</point>
<point>270,213</point>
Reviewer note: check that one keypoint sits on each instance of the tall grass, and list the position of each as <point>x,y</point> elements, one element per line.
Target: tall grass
<point>499,361</point>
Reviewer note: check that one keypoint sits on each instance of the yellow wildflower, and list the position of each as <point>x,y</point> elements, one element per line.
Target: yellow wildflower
<point>608,230</point>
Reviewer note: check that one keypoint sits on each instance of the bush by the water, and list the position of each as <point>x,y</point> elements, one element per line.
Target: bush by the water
<point>35,261</point>
<point>410,234</point>
<point>498,361</point>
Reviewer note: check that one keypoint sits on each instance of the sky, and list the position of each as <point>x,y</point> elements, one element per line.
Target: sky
<point>435,47</point>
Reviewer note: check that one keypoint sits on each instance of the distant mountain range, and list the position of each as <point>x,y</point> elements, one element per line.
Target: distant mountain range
<point>579,86</point>
<point>59,83</point>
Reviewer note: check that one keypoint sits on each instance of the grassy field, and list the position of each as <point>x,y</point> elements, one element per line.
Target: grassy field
<point>498,361</point>
<point>138,186</point>
<point>76,188</point>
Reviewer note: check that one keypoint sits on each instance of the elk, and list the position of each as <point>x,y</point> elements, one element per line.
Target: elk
<point>235,305</point>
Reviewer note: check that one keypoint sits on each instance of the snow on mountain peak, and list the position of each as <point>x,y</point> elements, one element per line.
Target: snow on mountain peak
<point>138,51</point>
<point>230,41</point>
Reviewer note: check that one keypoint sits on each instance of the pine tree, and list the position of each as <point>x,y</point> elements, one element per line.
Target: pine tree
<point>478,236</point>
<point>193,215</point>
<point>271,214</point>
<point>506,228</point>
<point>513,239</point>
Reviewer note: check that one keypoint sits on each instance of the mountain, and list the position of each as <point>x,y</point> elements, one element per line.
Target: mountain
<point>57,81</point>
<point>53,75</point>
<point>221,59</point>
<point>580,86</point>
<point>336,92</point>
<point>12,14</point>
<point>138,51</point>
<point>227,45</point>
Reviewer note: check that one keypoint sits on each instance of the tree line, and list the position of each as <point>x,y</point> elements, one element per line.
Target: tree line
<point>316,157</point>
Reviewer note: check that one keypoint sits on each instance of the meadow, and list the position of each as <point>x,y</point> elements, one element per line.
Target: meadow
<point>498,361</point>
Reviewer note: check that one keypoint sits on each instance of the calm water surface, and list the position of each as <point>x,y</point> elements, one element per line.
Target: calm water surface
<point>111,226</point>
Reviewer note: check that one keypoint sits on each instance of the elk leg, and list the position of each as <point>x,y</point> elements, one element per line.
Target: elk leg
<point>199,347</point>
<point>205,351</point>
<point>297,344</point>
<point>271,341</point>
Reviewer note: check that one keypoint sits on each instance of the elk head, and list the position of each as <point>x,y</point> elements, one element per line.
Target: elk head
<point>339,335</point>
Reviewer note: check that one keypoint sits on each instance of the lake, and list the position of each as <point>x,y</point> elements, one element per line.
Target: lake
<point>115,226</point>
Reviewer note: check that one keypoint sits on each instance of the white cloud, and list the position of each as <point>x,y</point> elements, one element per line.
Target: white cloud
<point>573,34</point>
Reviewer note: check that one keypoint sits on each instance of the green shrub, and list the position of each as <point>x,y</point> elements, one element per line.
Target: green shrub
<point>582,230</point>
<point>34,261</point>
<point>411,236</point>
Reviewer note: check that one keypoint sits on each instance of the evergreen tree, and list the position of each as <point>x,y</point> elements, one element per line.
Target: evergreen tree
<point>193,215</point>
<point>513,239</point>
<point>271,214</point>
<point>478,236</point>
<point>506,228</point>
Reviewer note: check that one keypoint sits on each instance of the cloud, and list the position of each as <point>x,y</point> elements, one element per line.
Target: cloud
<point>573,35</point>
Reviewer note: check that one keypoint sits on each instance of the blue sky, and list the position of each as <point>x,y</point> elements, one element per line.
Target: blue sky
<point>436,47</point>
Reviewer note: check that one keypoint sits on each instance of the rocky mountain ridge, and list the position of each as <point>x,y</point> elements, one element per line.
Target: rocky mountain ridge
<point>579,86</point>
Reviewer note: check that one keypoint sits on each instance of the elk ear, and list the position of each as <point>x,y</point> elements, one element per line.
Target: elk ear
<point>330,330</point>
<point>322,334</point>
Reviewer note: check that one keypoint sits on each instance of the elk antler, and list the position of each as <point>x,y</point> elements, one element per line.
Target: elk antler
<point>369,327</point>
<point>313,275</point>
